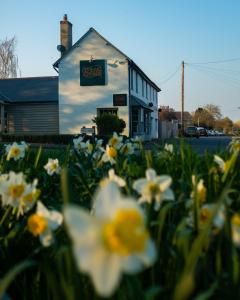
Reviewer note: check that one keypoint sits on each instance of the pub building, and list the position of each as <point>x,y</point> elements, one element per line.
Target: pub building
<point>94,77</point>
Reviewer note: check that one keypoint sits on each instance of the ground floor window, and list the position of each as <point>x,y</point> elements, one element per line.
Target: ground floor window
<point>112,111</point>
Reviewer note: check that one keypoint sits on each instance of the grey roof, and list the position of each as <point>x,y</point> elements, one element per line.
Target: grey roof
<point>130,61</point>
<point>29,89</point>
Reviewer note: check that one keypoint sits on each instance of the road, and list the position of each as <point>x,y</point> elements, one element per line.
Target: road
<point>209,143</point>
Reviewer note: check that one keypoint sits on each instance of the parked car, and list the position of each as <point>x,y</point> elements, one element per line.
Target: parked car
<point>191,131</point>
<point>202,131</point>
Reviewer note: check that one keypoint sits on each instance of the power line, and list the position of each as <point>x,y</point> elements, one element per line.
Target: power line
<point>215,62</point>
<point>171,76</point>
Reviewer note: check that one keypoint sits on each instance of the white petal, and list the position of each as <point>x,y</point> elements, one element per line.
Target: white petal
<point>105,272</point>
<point>105,199</point>
<point>164,182</point>
<point>83,228</point>
<point>151,174</point>
<point>55,219</point>
<point>46,238</point>
<point>168,195</point>
<point>150,255</point>
<point>140,184</point>
<point>42,210</point>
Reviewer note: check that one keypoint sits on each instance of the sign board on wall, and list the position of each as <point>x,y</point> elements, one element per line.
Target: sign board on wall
<point>92,72</point>
<point>119,99</point>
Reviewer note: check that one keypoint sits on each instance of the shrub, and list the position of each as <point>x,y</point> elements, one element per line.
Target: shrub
<point>108,123</point>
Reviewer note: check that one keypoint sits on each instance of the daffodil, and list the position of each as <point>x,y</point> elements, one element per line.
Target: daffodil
<point>168,148</point>
<point>17,193</point>
<point>223,165</point>
<point>16,151</point>
<point>43,222</point>
<point>235,222</point>
<point>52,166</point>
<point>111,241</point>
<point>127,148</point>
<point>199,189</point>
<point>206,213</point>
<point>112,177</point>
<point>154,188</point>
<point>78,143</point>
<point>109,155</point>
<point>115,141</point>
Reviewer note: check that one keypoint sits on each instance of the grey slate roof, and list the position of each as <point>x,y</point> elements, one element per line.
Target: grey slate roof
<point>29,89</point>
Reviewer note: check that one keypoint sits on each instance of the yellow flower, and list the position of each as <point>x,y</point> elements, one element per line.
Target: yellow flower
<point>201,190</point>
<point>110,241</point>
<point>52,166</point>
<point>109,155</point>
<point>43,222</point>
<point>37,224</point>
<point>115,141</point>
<point>16,192</point>
<point>16,151</point>
<point>154,188</point>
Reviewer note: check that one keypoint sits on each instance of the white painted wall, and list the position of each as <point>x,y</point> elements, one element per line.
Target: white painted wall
<point>78,104</point>
<point>152,97</point>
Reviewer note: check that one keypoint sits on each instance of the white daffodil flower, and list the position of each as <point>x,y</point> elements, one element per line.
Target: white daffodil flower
<point>109,155</point>
<point>43,222</point>
<point>78,143</point>
<point>235,223</point>
<point>52,166</point>
<point>223,165</point>
<point>112,177</point>
<point>115,141</point>
<point>168,148</point>
<point>205,213</point>
<point>154,188</point>
<point>16,192</point>
<point>111,241</point>
<point>16,151</point>
<point>127,148</point>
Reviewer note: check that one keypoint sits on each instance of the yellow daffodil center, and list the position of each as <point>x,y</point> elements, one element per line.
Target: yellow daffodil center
<point>15,151</point>
<point>126,234</point>
<point>53,166</point>
<point>112,152</point>
<point>90,148</point>
<point>205,215</point>
<point>113,141</point>
<point>37,224</point>
<point>16,190</point>
<point>125,149</point>
<point>236,220</point>
<point>202,191</point>
<point>153,188</point>
<point>31,196</point>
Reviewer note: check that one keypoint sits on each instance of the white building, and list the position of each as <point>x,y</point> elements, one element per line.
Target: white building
<point>95,77</point>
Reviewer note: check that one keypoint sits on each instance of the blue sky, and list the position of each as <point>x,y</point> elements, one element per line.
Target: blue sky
<point>156,34</point>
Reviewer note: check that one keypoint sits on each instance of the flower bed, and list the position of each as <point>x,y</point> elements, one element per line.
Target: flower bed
<point>119,222</point>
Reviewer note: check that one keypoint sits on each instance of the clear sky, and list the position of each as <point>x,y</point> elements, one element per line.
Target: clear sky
<point>157,34</point>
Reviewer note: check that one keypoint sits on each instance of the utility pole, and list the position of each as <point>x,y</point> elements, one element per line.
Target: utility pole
<point>182,100</point>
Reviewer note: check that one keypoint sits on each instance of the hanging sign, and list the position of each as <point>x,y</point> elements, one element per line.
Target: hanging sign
<point>92,72</point>
<point>119,99</point>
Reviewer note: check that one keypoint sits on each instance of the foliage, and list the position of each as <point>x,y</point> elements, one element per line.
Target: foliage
<point>202,117</point>
<point>109,123</point>
<point>197,258</point>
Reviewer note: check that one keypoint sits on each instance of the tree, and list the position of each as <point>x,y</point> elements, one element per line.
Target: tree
<point>214,110</point>
<point>224,124</point>
<point>109,123</point>
<point>203,118</point>
<point>8,58</point>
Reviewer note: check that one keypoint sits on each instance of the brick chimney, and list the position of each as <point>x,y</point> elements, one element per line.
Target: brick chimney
<point>65,34</point>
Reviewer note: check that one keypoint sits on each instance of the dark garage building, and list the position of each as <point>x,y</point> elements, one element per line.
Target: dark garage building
<point>29,105</point>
